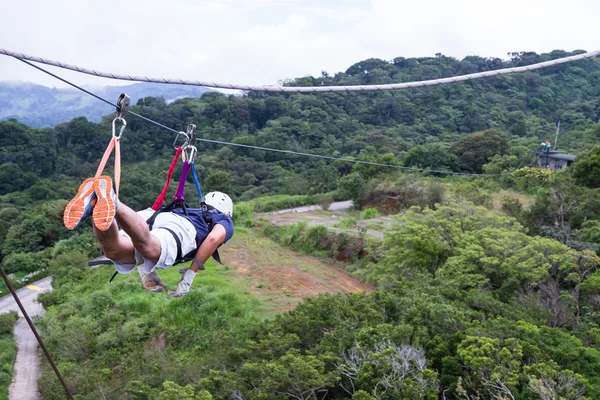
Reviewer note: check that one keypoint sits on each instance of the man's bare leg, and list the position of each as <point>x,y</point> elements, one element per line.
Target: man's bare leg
<point>115,246</point>
<point>137,228</point>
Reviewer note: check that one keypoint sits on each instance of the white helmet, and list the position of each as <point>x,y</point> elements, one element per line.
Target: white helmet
<point>220,201</point>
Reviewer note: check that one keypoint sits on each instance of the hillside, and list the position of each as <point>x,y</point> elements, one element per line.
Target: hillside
<point>40,106</point>
<point>440,287</point>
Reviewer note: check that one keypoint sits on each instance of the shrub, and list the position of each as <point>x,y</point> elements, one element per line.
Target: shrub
<point>82,242</point>
<point>352,187</point>
<point>369,213</point>
<point>512,207</point>
<point>406,192</point>
<point>279,203</point>
<point>23,262</point>
<point>323,200</point>
<point>7,322</point>
<point>346,223</point>
<point>471,192</point>
<point>52,298</point>
<point>243,214</point>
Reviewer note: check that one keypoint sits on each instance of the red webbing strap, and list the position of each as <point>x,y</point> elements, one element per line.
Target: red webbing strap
<point>115,144</point>
<point>161,198</point>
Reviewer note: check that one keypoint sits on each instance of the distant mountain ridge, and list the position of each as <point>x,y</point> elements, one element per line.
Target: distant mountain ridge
<point>40,106</point>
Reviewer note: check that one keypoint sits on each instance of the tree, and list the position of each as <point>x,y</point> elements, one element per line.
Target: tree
<point>353,186</point>
<point>586,169</point>
<point>293,376</point>
<point>218,181</point>
<point>432,156</point>
<point>477,149</point>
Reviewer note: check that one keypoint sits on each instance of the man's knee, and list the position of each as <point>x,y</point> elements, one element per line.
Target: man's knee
<point>149,249</point>
<point>118,253</point>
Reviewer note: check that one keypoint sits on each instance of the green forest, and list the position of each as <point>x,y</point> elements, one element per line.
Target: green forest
<point>483,286</point>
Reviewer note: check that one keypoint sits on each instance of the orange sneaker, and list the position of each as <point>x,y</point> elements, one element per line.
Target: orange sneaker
<point>106,206</point>
<point>81,206</point>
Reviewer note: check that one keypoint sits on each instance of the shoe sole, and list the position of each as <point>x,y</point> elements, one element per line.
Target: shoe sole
<point>75,210</point>
<point>104,211</point>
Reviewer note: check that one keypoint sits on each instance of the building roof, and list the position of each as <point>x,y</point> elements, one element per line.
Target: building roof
<point>557,155</point>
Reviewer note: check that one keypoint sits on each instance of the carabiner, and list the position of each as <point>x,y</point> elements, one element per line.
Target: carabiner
<point>114,130</point>
<point>193,152</point>
<point>185,143</point>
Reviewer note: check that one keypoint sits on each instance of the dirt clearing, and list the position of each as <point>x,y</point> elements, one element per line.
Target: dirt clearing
<point>279,276</point>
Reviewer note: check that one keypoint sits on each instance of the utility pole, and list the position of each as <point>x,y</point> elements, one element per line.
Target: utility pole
<point>557,129</point>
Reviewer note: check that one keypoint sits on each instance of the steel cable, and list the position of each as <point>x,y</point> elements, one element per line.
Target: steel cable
<point>305,89</point>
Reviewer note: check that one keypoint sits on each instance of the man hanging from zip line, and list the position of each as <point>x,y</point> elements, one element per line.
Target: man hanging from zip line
<point>171,233</point>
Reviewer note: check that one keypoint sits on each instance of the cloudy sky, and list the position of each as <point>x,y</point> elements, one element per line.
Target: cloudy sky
<point>264,41</point>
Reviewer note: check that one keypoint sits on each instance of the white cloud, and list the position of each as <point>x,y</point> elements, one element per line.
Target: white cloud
<point>264,41</point>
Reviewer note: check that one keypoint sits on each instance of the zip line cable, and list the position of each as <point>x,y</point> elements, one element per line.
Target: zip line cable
<point>291,152</point>
<point>305,89</point>
<point>35,332</point>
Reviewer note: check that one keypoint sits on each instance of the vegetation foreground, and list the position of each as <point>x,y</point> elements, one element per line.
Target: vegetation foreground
<point>472,306</point>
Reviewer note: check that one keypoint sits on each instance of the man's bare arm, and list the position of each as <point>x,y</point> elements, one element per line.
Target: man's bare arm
<point>215,238</point>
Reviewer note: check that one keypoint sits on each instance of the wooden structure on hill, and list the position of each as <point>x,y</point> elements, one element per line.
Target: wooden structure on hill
<point>554,160</point>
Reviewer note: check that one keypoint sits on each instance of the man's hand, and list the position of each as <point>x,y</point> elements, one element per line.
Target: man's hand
<point>184,285</point>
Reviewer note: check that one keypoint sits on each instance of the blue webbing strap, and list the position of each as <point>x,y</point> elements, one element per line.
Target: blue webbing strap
<point>193,168</point>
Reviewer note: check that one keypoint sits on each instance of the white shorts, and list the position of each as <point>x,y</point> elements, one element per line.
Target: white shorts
<point>168,246</point>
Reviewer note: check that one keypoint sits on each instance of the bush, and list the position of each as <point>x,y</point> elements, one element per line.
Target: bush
<point>69,268</point>
<point>7,322</point>
<point>243,214</point>
<point>471,192</point>
<point>406,192</point>
<point>23,262</point>
<point>52,298</point>
<point>512,207</point>
<point>369,213</point>
<point>81,242</point>
<point>353,187</point>
<point>281,202</point>
<point>323,200</point>
<point>318,240</point>
<point>346,223</point>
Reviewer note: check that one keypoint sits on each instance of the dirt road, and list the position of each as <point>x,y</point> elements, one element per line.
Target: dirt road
<point>27,366</point>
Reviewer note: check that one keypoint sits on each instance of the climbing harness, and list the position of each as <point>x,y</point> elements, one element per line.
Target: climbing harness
<point>122,109</point>
<point>188,152</point>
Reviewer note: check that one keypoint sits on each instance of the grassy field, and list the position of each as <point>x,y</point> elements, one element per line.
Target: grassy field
<point>525,199</point>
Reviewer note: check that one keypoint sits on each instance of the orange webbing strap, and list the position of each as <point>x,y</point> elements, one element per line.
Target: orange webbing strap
<point>161,197</point>
<point>114,144</point>
<point>117,165</point>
